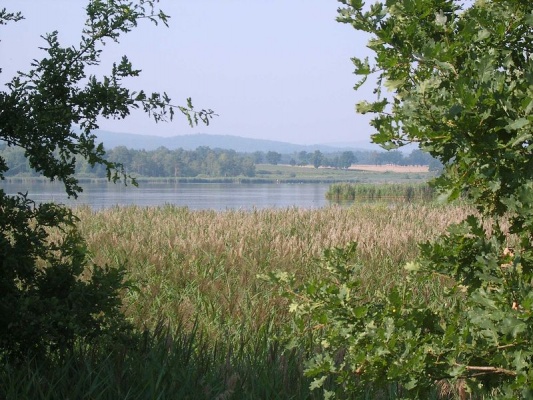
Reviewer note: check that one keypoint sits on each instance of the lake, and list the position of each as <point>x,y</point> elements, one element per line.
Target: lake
<point>195,196</point>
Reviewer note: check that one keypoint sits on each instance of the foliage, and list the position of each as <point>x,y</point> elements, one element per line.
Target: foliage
<point>46,303</point>
<point>182,163</point>
<point>459,84</point>
<point>361,345</point>
<point>316,158</point>
<point>49,299</point>
<point>273,157</point>
<point>462,77</point>
<point>396,337</point>
<point>42,105</point>
<point>346,159</point>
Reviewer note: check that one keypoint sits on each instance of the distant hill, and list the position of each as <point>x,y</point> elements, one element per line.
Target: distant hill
<point>237,143</point>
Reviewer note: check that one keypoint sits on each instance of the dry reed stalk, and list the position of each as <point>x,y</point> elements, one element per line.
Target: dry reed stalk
<point>206,263</point>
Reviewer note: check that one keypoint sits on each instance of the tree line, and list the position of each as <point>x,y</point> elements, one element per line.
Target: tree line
<point>345,159</point>
<point>205,161</point>
<point>156,163</point>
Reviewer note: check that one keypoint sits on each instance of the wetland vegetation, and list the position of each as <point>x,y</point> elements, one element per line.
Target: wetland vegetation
<point>373,192</point>
<point>214,324</point>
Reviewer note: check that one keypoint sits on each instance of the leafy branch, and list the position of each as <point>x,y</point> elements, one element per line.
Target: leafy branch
<point>460,81</point>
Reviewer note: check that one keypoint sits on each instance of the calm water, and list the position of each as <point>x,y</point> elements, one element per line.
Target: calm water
<point>195,196</point>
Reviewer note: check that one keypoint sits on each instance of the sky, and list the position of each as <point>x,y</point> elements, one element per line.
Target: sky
<point>271,69</point>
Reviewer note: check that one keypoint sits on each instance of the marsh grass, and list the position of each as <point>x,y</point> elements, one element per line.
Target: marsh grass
<point>373,192</point>
<point>165,365</point>
<point>212,323</point>
<point>188,264</point>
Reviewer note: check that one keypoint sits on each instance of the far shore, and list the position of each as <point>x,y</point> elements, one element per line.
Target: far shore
<point>391,168</point>
<point>266,173</point>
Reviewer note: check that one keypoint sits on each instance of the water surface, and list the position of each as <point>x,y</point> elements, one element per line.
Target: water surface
<point>196,196</point>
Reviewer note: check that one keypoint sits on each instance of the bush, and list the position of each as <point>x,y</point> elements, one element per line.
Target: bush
<point>476,338</point>
<point>460,83</point>
<point>49,296</point>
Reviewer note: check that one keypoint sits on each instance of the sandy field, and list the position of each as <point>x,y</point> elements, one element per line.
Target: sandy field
<point>391,168</point>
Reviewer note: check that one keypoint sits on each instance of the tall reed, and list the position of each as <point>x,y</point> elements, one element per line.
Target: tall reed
<point>212,324</point>
<point>205,264</point>
<point>374,192</point>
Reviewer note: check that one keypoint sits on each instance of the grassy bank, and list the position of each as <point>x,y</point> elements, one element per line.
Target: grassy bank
<point>214,321</point>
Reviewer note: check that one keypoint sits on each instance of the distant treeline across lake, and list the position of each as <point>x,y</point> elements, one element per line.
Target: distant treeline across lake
<point>206,162</point>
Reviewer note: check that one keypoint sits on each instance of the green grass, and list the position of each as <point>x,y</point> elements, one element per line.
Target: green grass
<point>212,323</point>
<point>168,365</point>
<point>295,174</point>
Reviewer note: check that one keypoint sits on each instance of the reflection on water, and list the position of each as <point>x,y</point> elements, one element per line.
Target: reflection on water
<point>195,196</point>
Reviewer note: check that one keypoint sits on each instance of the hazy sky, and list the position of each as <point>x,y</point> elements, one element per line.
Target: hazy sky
<point>271,69</point>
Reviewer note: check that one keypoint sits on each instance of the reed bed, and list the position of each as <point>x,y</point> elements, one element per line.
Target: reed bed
<point>211,323</point>
<point>205,264</point>
<point>373,192</point>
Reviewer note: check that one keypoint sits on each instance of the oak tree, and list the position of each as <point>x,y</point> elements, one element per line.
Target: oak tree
<point>457,80</point>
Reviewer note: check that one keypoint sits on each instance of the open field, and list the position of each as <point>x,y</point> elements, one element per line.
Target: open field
<point>357,173</point>
<point>391,168</point>
<point>200,270</point>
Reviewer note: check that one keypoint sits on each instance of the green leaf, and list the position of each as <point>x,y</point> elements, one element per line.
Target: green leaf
<point>364,107</point>
<point>411,384</point>
<point>482,35</point>
<point>318,382</point>
<point>495,185</point>
<point>521,139</point>
<point>513,326</point>
<point>486,68</point>
<point>455,110</point>
<point>328,394</point>
<point>392,85</point>
<point>446,66</point>
<point>481,298</point>
<point>521,360</point>
<point>362,67</point>
<point>293,307</point>
<point>518,124</point>
<point>360,311</point>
